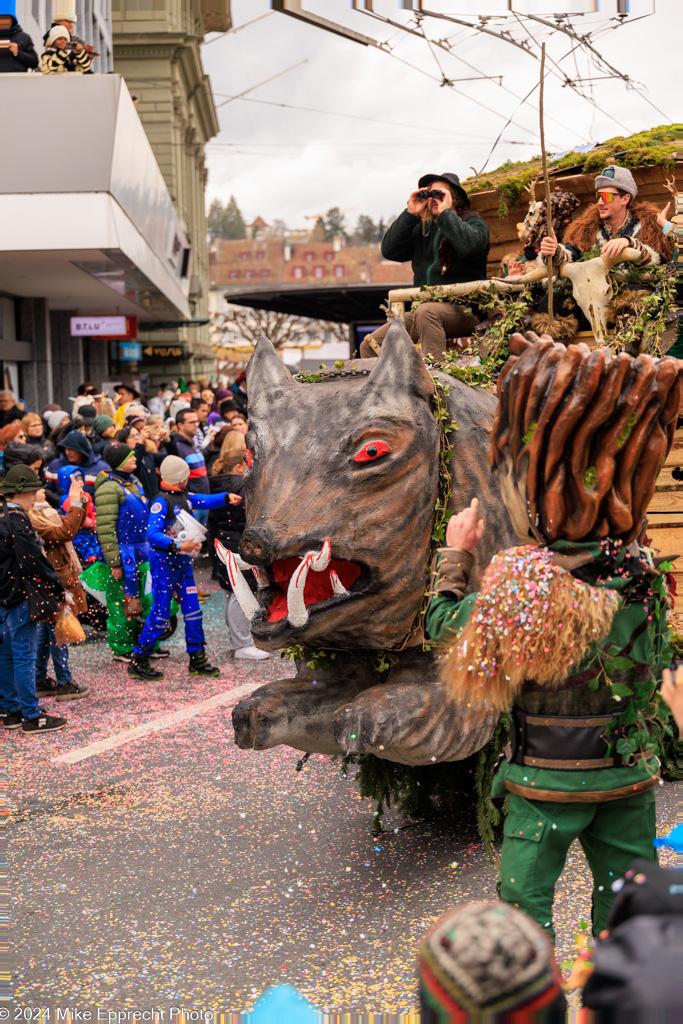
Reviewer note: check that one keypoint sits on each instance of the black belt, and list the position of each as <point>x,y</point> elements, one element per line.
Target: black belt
<point>561,742</point>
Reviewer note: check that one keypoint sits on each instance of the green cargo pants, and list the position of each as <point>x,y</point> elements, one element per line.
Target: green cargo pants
<point>538,834</point>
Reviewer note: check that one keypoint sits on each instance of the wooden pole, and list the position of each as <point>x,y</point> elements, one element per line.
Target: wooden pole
<point>548,204</point>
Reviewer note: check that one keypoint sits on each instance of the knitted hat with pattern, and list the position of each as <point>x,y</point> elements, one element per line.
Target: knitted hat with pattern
<point>486,958</point>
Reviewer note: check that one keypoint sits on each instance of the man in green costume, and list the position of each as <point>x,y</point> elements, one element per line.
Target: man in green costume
<point>568,631</point>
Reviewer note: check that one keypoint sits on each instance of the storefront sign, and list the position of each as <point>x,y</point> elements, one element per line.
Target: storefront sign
<point>104,327</point>
<point>164,351</point>
<point>130,350</point>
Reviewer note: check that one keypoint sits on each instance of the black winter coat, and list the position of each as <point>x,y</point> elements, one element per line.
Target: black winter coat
<point>21,558</point>
<point>227,524</point>
<point>26,55</point>
<point>147,469</point>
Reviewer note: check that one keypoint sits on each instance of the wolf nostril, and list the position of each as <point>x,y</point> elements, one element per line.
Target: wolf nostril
<point>255,545</point>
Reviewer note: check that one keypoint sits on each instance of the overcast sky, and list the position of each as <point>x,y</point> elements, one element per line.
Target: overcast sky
<point>288,163</point>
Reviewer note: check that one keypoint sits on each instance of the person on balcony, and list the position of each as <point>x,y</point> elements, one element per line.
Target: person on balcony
<point>58,56</point>
<point>17,52</point>
<point>447,243</point>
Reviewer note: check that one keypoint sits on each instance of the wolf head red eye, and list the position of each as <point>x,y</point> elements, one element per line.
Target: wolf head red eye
<point>248,457</point>
<point>372,451</point>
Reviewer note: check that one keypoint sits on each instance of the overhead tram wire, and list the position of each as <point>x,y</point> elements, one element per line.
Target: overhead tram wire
<point>506,37</point>
<point>456,56</point>
<point>566,81</point>
<point>357,117</point>
<point>615,71</point>
<point>471,99</point>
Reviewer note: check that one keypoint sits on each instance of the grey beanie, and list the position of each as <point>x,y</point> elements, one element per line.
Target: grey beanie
<point>55,419</point>
<point>617,177</point>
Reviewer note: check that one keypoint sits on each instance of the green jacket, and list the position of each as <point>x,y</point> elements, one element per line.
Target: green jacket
<point>411,238</point>
<point>109,497</point>
<point>643,641</point>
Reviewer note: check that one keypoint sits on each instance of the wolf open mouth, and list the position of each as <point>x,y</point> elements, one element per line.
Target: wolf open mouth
<point>291,588</point>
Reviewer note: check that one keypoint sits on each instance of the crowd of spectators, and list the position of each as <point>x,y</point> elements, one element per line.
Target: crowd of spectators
<point>63,50</point>
<point>52,466</point>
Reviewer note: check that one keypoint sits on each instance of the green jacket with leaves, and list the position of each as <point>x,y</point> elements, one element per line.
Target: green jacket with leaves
<point>618,677</point>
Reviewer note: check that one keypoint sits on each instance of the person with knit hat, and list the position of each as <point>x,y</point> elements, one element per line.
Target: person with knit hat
<point>171,568</point>
<point>488,961</point>
<point>103,433</point>
<point>122,513</point>
<point>59,57</point>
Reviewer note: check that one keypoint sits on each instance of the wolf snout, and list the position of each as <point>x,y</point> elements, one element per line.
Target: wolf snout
<point>257,546</point>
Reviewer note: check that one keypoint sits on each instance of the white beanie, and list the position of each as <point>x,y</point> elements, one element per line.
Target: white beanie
<point>58,32</point>
<point>56,418</point>
<point>174,470</point>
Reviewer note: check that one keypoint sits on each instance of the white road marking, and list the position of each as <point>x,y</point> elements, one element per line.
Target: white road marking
<point>120,739</point>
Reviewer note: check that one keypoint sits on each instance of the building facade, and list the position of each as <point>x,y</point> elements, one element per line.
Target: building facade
<point>157,50</point>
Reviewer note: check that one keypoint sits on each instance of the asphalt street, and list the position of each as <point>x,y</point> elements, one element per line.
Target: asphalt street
<point>166,868</point>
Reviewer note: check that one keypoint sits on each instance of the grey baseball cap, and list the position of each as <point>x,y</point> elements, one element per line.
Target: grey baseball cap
<point>617,177</point>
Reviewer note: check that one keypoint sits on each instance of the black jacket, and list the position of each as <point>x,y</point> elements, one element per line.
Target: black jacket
<point>408,238</point>
<point>26,55</point>
<point>21,558</point>
<point>10,415</point>
<point>148,462</point>
<point>227,524</point>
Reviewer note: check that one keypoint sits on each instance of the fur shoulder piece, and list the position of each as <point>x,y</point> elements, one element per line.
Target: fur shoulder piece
<point>531,620</point>
<point>582,231</point>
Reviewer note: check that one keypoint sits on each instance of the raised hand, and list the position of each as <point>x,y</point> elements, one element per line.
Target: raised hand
<point>464,531</point>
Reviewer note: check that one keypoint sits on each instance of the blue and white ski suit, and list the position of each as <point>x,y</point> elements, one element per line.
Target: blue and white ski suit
<point>172,571</point>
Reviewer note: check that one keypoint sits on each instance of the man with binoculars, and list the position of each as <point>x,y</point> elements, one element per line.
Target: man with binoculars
<point>446,243</point>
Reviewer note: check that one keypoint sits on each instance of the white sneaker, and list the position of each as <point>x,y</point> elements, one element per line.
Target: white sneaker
<point>251,653</point>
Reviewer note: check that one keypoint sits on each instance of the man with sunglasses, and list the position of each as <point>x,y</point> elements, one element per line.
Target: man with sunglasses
<point>613,223</point>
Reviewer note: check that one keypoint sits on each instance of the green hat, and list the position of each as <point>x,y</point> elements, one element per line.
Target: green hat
<point>21,480</point>
<point>100,423</point>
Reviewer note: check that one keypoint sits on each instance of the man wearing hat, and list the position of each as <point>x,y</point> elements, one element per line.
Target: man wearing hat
<point>614,223</point>
<point>171,568</point>
<point>22,562</point>
<point>447,243</point>
<point>126,393</point>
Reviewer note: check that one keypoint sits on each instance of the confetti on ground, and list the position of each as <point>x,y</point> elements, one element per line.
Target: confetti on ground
<point>179,870</point>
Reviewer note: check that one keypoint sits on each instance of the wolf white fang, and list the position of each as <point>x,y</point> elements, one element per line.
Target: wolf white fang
<point>240,587</point>
<point>297,613</point>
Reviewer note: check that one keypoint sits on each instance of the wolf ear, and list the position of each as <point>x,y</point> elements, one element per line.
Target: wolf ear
<point>400,365</point>
<point>266,371</point>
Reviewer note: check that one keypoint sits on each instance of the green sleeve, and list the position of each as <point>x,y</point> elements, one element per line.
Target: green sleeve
<point>108,498</point>
<point>398,242</point>
<point>446,616</point>
<point>469,238</point>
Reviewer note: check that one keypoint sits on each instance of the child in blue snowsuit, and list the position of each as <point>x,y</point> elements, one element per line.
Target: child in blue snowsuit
<point>171,569</point>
